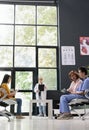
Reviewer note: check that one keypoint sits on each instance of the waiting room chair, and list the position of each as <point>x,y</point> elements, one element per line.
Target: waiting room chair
<point>79,103</point>
<point>4,102</point>
<point>75,103</point>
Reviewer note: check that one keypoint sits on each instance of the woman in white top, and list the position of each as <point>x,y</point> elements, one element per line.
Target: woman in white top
<point>75,81</point>
<point>40,90</point>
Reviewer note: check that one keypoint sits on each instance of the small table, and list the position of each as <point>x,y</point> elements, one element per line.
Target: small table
<point>50,105</point>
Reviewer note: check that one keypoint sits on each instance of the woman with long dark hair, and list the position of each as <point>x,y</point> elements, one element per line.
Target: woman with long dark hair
<point>6,80</point>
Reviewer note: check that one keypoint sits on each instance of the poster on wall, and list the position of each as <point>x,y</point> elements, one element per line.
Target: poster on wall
<point>68,55</point>
<point>84,45</point>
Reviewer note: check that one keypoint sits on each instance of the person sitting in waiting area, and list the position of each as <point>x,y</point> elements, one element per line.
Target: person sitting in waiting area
<point>75,82</point>
<point>79,93</point>
<point>6,80</point>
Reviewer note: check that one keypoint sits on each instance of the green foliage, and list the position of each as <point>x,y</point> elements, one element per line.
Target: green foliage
<point>50,78</point>
<point>24,80</point>
<point>47,15</point>
<point>31,31</point>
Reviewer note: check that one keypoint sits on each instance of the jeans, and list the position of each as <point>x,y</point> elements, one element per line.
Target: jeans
<point>65,99</point>
<point>19,104</point>
<point>42,109</point>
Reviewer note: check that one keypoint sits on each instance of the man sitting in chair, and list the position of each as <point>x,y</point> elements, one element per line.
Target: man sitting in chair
<point>65,99</point>
<point>6,80</point>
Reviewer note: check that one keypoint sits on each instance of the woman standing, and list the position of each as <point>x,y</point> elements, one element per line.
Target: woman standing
<point>40,90</point>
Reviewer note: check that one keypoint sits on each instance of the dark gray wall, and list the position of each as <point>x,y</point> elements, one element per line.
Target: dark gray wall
<point>74,22</point>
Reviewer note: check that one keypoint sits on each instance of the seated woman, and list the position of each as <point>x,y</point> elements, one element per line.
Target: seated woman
<point>75,83</point>
<point>6,80</point>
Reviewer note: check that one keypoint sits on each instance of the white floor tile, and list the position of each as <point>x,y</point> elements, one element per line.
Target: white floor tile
<point>42,123</point>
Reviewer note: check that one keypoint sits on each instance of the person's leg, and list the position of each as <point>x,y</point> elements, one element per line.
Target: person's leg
<point>40,109</point>
<point>44,110</point>
<point>19,104</point>
<point>64,106</point>
<point>65,99</point>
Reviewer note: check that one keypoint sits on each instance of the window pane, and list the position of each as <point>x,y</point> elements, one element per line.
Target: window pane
<point>47,36</point>
<point>6,56</point>
<point>24,80</point>
<point>26,97</point>
<point>25,35</point>
<point>46,15</point>
<point>24,57</point>
<point>47,57</point>
<point>50,78</point>
<point>25,14</point>
<point>6,13</point>
<point>6,35</point>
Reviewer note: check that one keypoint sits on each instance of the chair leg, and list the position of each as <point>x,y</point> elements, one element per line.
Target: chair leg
<point>8,113</point>
<point>76,112</point>
<point>3,114</point>
<point>83,117</point>
<point>85,113</point>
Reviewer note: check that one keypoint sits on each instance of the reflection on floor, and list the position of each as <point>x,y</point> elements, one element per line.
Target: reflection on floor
<point>43,123</point>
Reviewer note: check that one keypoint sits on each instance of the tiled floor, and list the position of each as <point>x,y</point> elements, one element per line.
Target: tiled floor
<point>42,123</point>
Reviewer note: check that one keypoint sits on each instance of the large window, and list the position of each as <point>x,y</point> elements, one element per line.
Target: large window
<point>28,40</point>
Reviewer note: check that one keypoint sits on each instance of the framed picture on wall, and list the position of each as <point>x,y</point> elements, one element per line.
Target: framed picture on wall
<point>68,55</point>
<point>84,45</point>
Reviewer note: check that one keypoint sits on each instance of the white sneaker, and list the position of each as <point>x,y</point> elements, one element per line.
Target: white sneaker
<point>44,115</point>
<point>40,115</point>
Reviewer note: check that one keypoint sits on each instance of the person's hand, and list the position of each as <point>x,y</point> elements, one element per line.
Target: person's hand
<point>45,87</point>
<point>16,90</point>
<point>13,93</point>
<point>12,90</point>
<point>37,91</point>
<point>63,90</point>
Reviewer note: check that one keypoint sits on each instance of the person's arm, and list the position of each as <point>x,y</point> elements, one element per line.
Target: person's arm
<point>45,87</point>
<point>9,94</point>
<point>78,92</point>
<point>36,88</point>
<point>84,86</point>
<point>75,86</point>
<point>70,87</point>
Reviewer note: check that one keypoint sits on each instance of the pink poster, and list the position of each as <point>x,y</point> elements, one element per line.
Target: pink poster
<point>84,45</point>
